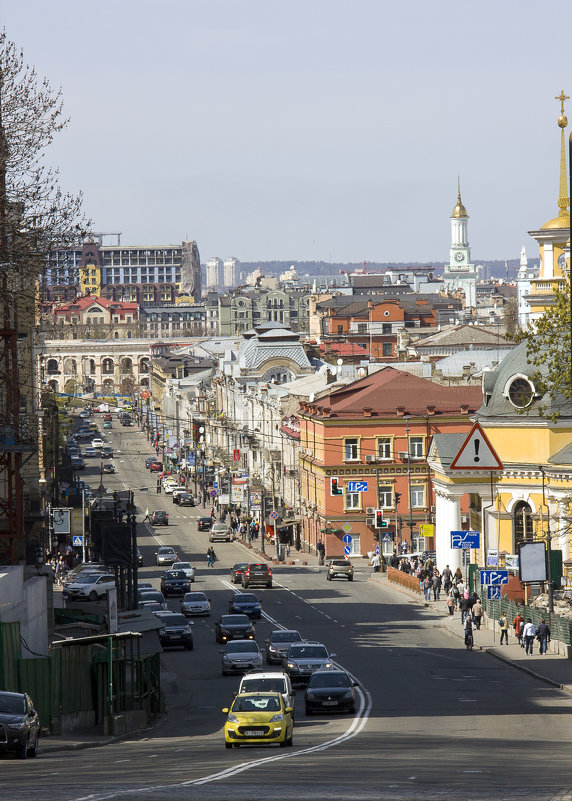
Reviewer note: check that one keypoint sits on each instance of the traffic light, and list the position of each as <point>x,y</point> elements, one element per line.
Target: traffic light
<point>335,489</point>
<point>379,518</point>
<point>397,496</point>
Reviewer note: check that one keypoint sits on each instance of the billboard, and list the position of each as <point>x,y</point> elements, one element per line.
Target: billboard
<point>532,562</point>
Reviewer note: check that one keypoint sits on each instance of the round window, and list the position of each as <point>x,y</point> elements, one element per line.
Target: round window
<point>386,313</point>
<point>520,393</point>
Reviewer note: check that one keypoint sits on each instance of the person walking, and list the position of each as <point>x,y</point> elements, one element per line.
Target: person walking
<point>147,515</point>
<point>447,578</point>
<point>477,613</point>
<point>211,556</point>
<point>503,623</point>
<point>517,625</point>
<point>529,633</point>
<point>376,563</point>
<point>464,608</point>
<point>543,635</point>
<point>436,587</point>
<point>427,585</point>
<point>451,604</point>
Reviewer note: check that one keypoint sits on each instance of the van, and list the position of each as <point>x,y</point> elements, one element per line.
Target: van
<point>263,681</point>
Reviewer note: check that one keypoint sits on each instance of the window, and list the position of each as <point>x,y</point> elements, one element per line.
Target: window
<point>522,523</point>
<point>417,496</point>
<point>355,546</point>
<point>386,328</point>
<point>340,329</point>
<point>387,349</point>
<point>385,496</point>
<point>351,449</point>
<point>384,448</point>
<point>362,328</point>
<point>352,500</point>
<point>416,447</point>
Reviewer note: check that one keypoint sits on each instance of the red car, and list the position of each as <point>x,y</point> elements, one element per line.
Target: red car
<point>156,467</point>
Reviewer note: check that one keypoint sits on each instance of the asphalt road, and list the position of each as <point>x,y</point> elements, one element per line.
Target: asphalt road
<point>434,722</point>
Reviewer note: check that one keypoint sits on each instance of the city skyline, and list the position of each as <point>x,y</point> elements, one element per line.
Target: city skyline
<point>308,132</point>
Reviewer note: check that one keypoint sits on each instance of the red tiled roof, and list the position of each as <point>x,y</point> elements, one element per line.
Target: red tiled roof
<point>344,349</point>
<point>389,389</point>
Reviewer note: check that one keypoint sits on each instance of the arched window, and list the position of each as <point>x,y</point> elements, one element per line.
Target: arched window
<point>53,385</point>
<point>108,385</point>
<point>144,382</point>
<point>522,523</point>
<point>126,365</point>
<point>70,367</point>
<point>144,366</point>
<point>108,366</point>
<point>52,366</point>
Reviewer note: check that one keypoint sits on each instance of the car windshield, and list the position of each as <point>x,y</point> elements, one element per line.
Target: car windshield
<point>184,565</point>
<point>257,703</point>
<point>246,598</point>
<point>242,647</point>
<point>152,595</point>
<point>330,680</point>
<point>285,636</point>
<point>175,574</point>
<point>235,620</point>
<point>219,527</point>
<point>195,596</point>
<point>89,579</point>
<point>166,550</point>
<point>240,566</point>
<point>174,619</point>
<point>340,562</point>
<point>309,652</point>
<point>12,704</point>
<point>263,685</point>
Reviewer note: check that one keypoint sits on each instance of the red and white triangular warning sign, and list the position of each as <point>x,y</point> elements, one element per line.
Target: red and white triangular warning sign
<point>477,453</point>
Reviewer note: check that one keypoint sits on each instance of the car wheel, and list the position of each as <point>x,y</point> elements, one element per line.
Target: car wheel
<point>352,709</point>
<point>228,745</point>
<point>33,750</point>
<point>93,595</point>
<point>350,578</point>
<point>245,585</point>
<point>290,741</point>
<point>22,749</point>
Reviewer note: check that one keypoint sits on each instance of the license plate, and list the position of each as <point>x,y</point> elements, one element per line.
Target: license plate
<point>254,733</point>
<point>330,703</point>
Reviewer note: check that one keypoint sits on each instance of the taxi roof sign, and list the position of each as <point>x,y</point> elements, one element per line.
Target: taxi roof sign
<point>477,453</point>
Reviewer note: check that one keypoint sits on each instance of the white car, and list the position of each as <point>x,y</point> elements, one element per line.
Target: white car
<point>92,586</point>
<point>264,681</point>
<point>187,569</point>
<point>168,488</point>
<point>195,603</point>
<point>220,532</point>
<point>97,443</point>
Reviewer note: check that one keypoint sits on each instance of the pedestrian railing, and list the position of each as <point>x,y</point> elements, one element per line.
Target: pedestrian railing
<point>404,579</point>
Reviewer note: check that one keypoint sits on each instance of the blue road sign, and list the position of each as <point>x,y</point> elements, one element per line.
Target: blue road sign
<point>347,538</point>
<point>77,541</point>
<point>357,486</point>
<point>377,549</point>
<point>213,493</point>
<point>215,484</point>
<point>347,550</point>
<point>492,578</point>
<point>494,593</point>
<point>465,539</point>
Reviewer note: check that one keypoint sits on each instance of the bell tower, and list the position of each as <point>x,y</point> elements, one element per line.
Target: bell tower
<point>460,273</point>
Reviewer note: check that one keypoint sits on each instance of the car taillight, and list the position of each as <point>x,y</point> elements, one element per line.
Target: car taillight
<point>269,572</point>
<point>247,572</point>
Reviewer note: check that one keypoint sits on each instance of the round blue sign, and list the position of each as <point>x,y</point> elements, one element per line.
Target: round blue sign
<point>347,550</point>
<point>347,538</point>
<point>213,493</point>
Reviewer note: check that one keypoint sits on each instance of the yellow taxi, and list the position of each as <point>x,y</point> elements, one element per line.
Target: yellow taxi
<point>256,719</point>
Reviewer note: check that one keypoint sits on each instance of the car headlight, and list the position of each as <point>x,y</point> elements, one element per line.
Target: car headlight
<point>276,718</point>
<point>17,726</point>
<point>328,665</point>
<point>291,664</point>
<point>232,718</point>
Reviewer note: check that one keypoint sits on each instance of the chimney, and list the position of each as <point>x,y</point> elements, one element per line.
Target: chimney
<point>464,408</point>
<point>326,411</point>
<point>430,409</point>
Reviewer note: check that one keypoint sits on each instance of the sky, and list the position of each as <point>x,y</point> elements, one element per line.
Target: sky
<point>307,130</point>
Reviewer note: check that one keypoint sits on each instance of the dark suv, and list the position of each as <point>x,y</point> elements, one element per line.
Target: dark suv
<point>257,573</point>
<point>160,518</point>
<point>19,724</point>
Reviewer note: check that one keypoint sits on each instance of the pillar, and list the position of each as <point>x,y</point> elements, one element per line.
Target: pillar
<point>447,519</point>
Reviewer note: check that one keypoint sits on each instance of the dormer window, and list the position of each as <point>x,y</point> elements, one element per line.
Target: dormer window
<point>520,392</point>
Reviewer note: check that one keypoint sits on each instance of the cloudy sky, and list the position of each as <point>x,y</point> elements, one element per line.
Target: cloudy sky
<point>312,129</point>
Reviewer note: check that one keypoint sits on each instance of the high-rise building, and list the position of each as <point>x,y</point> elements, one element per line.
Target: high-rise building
<point>231,272</point>
<point>214,268</point>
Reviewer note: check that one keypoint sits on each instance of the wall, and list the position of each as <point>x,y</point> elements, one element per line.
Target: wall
<point>25,602</point>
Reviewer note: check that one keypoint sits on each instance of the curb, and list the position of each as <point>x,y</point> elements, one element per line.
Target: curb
<point>81,746</point>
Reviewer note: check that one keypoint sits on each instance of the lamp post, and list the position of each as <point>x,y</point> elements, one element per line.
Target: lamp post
<point>409,480</point>
<point>548,547</point>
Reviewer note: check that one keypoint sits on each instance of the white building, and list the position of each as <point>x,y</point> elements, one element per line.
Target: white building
<point>231,271</point>
<point>214,270</point>
<point>460,274</point>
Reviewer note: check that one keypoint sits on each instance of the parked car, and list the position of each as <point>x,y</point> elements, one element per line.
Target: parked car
<point>257,573</point>
<point>246,603</point>
<point>174,582</point>
<point>236,572</point>
<point>91,586</point>
<point>340,567</point>
<point>159,518</point>
<point>183,499</point>
<point>195,603</point>
<point>166,555</point>
<point>263,681</point>
<point>330,690</point>
<point>156,466</point>
<point>234,627</point>
<point>204,523</point>
<point>187,569</point>
<point>257,719</point>
<point>303,658</point>
<point>220,532</point>
<point>240,655</point>
<point>19,724</point>
<point>175,630</point>
<point>278,643</point>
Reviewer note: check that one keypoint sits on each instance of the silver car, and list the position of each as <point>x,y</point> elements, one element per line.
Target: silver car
<point>187,569</point>
<point>220,532</point>
<point>239,656</point>
<point>166,555</point>
<point>195,603</point>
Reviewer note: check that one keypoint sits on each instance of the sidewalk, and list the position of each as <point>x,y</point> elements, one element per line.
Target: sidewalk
<point>554,669</point>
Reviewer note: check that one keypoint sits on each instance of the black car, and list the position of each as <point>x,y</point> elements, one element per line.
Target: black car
<point>107,452</point>
<point>159,518</point>
<point>234,627</point>
<point>77,463</point>
<point>146,596</point>
<point>278,643</point>
<point>175,630</point>
<point>257,573</point>
<point>184,499</point>
<point>236,572</point>
<point>331,691</point>
<point>174,582</point>
<point>247,603</point>
<point>205,523</point>
<point>19,724</point>
<point>148,461</point>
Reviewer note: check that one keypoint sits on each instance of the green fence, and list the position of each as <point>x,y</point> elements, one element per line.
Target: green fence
<point>10,653</point>
<point>559,626</point>
<point>35,678</point>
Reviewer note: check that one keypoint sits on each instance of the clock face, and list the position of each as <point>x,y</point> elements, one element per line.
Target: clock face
<point>459,256</point>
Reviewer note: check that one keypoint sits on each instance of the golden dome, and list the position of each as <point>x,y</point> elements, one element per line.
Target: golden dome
<point>562,221</point>
<point>459,210</point>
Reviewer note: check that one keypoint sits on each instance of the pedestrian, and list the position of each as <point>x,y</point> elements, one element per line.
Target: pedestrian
<point>321,550</point>
<point>464,608</point>
<point>436,587</point>
<point>458,576</point>
<point>529,633</point>
<point>447,578</point>
<point>517,625</point>
<point>456,594</point>
<point>503,623</point>
<point>147,515</point>
<point>427,585</point>
<point>477,611</point>
<point>211,556</point>
<point>212,513</point>
<point>376,563</point>
<point>461,587</point>
<point>158,486</point>
<point>543,635</point>
<point>451,604</point>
